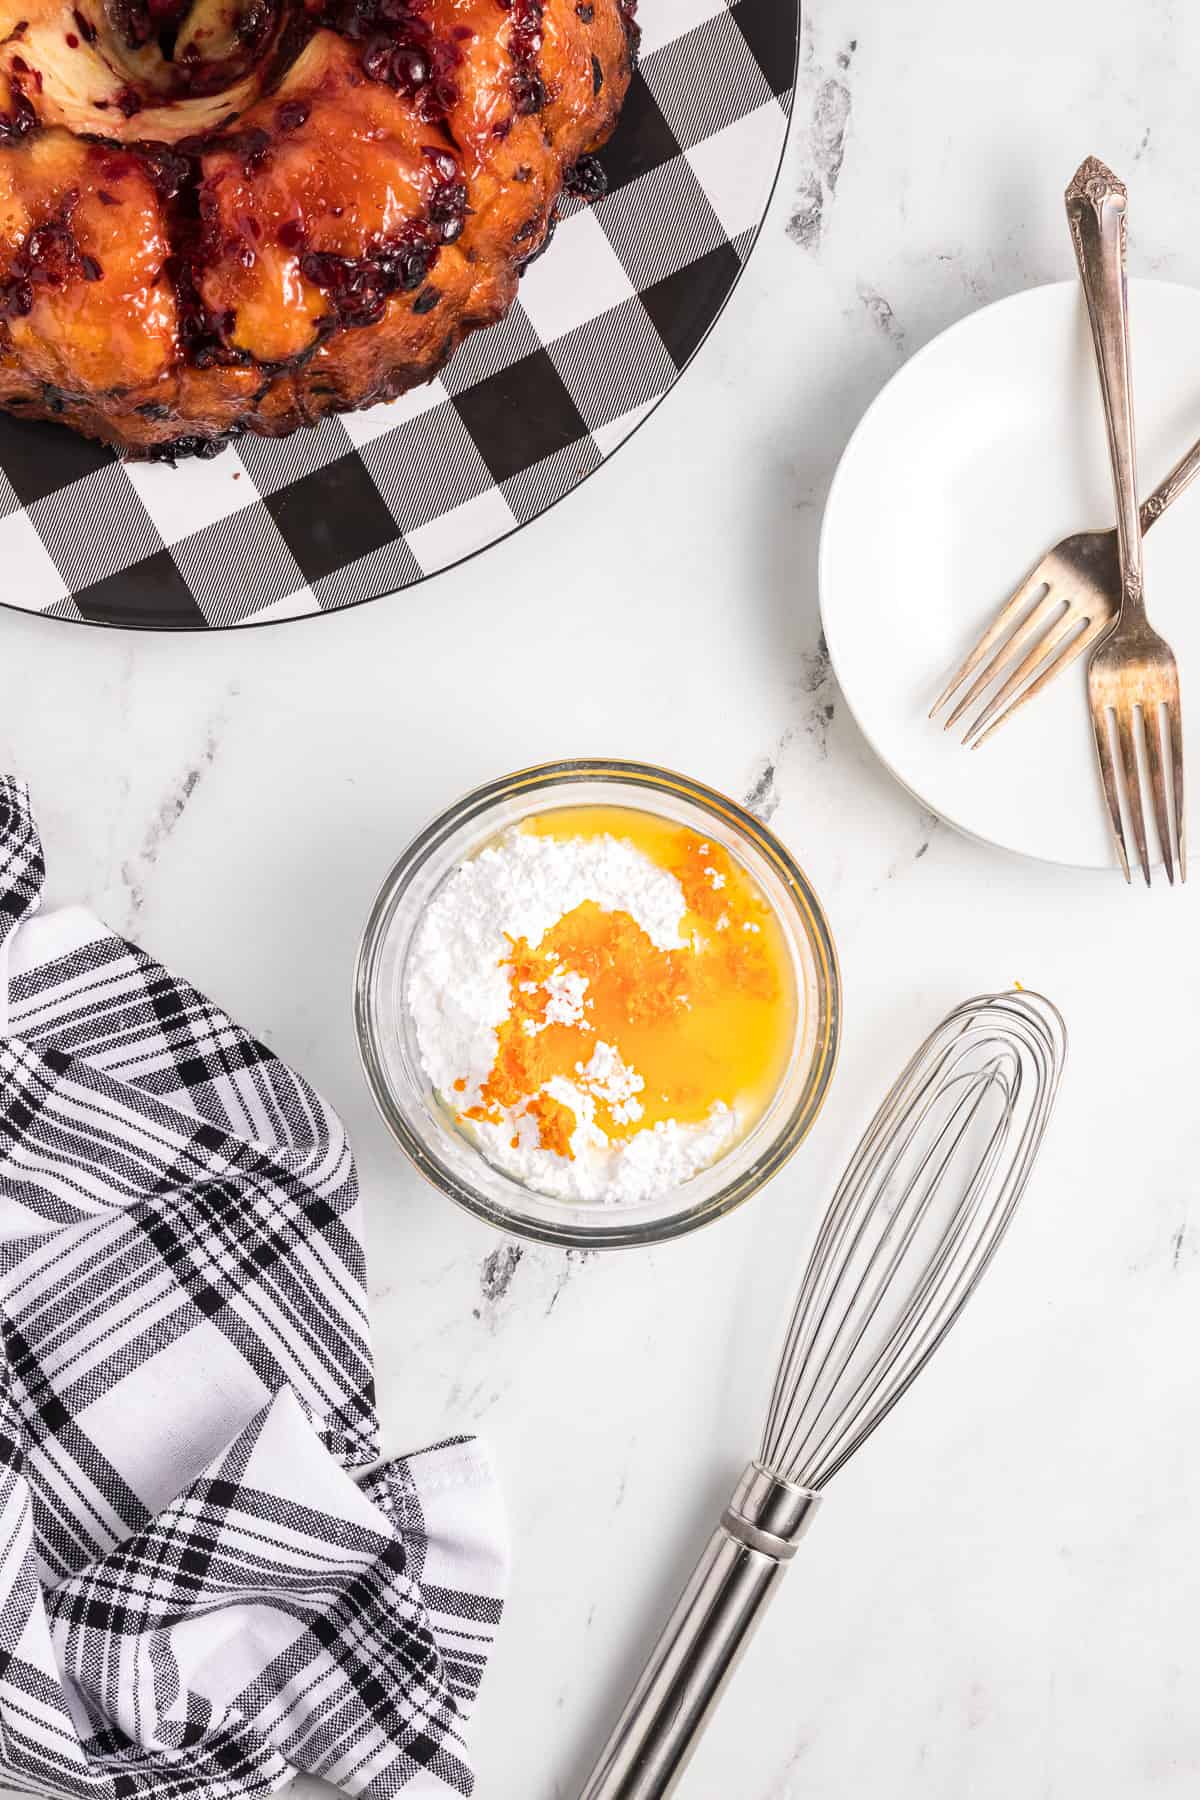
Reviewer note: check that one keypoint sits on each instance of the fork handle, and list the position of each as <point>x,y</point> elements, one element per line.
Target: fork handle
<point>1096,203</point>
<point>1171,486</point>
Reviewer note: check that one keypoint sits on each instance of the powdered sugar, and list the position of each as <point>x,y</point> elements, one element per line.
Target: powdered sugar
<point>458,993</point>
<point>650,1163</point>
<point>610,1079</point>
<point>566,997</point>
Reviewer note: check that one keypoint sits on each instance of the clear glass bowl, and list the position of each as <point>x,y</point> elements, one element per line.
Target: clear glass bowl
<point>387,1040</point>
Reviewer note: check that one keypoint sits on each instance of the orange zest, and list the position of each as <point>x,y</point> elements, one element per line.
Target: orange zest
<point>711,1021</point>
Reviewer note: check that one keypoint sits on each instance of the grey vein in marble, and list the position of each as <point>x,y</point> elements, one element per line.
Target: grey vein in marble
<point>816,687</point>
<point>136,871</point>
<point>572,1260</point>
<point>929,824</point>
<point>830,110</point>
<point>882,315</point>
<point>762,796</point>
<point>496,1272</point>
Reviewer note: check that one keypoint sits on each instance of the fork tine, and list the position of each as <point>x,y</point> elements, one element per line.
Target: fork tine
<point>1108,780</point>
<point>1045,664</point>
<point>1029,628</point>
<point>1152,725</point>
<point>999,628</point>
<point>1175,733</point>
<point>1133,783</point>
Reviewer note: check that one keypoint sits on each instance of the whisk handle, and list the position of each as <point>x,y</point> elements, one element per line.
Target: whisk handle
<point>703,1639</point>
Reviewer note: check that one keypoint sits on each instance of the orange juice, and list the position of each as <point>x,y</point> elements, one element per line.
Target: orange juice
<point>708,1022</point>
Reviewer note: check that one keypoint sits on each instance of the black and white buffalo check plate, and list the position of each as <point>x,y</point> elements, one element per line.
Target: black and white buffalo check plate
<point>374,501</point>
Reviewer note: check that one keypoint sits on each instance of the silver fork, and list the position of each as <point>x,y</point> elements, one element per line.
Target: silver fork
<point>1133,670</point>
<point>1082,579</point>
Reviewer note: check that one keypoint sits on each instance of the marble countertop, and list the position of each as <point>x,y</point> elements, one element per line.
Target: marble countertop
<point>1001,1593</point>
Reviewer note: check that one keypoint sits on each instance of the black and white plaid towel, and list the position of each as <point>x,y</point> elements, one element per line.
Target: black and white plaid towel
<point>207,1580</point>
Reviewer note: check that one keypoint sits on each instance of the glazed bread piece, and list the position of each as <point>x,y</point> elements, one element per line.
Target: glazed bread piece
<point>241,215</point>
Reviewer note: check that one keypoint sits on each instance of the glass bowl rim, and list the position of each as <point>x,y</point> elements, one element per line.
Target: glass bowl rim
<point>653,779</point>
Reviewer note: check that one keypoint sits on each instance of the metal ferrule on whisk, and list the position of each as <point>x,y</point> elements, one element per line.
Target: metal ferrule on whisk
<point>705,1636</point>
<point>769,1514</point>
<point>914,1223</point>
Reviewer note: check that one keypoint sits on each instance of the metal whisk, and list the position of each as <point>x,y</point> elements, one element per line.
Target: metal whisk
<point>913,1225</point>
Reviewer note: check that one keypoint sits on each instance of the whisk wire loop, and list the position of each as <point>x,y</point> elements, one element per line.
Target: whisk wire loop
<point>874,1285</point>
<point>801,1370</point>
<point>915,1220</point>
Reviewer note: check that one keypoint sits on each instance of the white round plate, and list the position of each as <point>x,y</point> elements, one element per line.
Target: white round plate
<point>982,452</point>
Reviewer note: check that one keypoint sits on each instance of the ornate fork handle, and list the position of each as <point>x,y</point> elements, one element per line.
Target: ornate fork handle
<point>1096,203</point>
<point>1170,488</point>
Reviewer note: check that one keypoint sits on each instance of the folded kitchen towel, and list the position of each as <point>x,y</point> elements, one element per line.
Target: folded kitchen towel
<point>208,1581</point>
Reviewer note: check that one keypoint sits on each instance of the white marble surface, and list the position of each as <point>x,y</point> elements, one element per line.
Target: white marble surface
<point>1001,1597</point>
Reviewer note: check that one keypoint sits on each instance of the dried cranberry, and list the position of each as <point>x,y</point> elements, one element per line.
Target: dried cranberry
<point>449,202</point>
<point>529,93</point>
<point>292,115</point>
<point>524,46</point>
<point>20,121</point>
<point>445,164</point>
<point>48,257</point>
<point>16,297</point>
<point>551,228</point>
<point>291,234</point>
<point>377,59</point>
<point>410,70</point>
<point>402,66</point>
<point>190,445</point>
<point>50,254</point>
<point>204,334</point>
<point>168,172</point>
<point>597,75</point>
<point>585,12</point>
<point>72,41</point>
<point>87,30</point>
<point>445,93</point>
<point>129,102</point>
<point>254,146</point>
<point>587,179</point>
<point>254,23</point>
